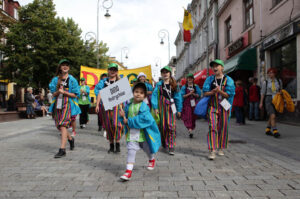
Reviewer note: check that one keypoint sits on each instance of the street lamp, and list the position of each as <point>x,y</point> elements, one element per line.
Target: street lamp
<point>106,4</point>
<point>90,36</point>
<point>157,59</point>
<point>162,34</point>
<point>126,51</point>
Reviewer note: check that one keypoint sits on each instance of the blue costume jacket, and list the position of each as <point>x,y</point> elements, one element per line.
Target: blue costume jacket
<point>149,86</point>
<point>144,120</point>
<point>177,97</point>
<point>229,87</point>
<point>100,86</point>
<point>183,90</point>
<point>73,88</point>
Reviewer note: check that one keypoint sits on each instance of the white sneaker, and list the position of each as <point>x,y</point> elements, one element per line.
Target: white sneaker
<point>212,155</point>
<point>83,126</point>
<point>221,152</point>
<point>104,133</point>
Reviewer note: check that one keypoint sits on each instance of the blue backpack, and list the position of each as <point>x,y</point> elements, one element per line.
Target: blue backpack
<point>201,107</point>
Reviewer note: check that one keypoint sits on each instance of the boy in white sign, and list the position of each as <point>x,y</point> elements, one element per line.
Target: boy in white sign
<point>221,90</point>
<point>141,130</point>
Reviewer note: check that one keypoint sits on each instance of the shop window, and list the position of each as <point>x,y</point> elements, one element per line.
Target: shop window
<point>16,14</point>
<point>248,5</point>
<point>228,31</point>
<point>2,4</point>
<point>275,2</point>
<point>284,59</point>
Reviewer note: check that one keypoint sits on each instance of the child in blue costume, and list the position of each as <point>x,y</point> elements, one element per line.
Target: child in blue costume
<point>221,89</point>
<point>141,130</point>
<point>65,90</point>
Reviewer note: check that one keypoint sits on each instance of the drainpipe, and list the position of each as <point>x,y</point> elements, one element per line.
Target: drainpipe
<point>207,39</point>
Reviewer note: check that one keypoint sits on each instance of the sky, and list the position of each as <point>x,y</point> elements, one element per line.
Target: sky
<point>133,24</point>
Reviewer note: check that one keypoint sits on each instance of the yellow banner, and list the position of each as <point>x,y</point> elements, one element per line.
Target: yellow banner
<point>92,75</point>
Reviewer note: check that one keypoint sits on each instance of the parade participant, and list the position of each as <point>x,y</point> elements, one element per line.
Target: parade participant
<point>269,89</point>
<point>221,90</point>
<point>84,103</point>
<point>142,77</point>
<point>111,123</point>
<point>65,89</point>
<point>167,101</point>
<point>141,129</point>
<point>100,120</point>
<point>190,93</point>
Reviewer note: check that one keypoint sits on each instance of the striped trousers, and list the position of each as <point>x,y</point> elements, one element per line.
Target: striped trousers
<point>167,124</point>
<point>217,137</point>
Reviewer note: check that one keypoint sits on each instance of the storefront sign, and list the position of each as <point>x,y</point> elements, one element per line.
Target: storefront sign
<point>239,45</point>
<point>281,35</point>
<point>116,93</point>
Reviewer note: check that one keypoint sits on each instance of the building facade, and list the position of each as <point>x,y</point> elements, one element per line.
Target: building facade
<point>192,57</point>
<point>8,12</point>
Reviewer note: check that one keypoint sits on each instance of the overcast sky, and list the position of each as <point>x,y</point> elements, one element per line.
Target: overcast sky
<point>134,24</point>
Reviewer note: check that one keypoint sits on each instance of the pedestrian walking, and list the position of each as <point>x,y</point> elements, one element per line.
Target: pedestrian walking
<point>190,93</point>
<point>238,103</point>
<point>221,90</point>
<point>269,89</point>
<point>111,122</point>
<point>64,105</point>
<point>254,96</point>
<point>141,130</point>
<point>84,103</point>
<point>99,114</point>
<point>29,102</point>
<point>167,101</point>
<point>142,77</point>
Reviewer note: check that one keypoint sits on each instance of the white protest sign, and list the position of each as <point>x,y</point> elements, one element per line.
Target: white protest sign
<point>116,93</point>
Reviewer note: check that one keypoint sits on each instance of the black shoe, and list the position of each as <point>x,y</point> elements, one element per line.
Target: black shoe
<point>111,148</point>
<point>118,150</point>
<point>61,153</point>
<point>268,131</point>
<point>100,128</point>
<point>81,126</point>
<point>276,133</point>
<point>72,143</point>
<point>191,135</point>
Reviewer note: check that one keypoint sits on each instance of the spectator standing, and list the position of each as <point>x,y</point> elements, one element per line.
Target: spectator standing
<point>29,102</point>
<point>254,95</point>
<point>238,102</point>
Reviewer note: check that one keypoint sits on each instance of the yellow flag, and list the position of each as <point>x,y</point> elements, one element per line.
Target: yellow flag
<point>187,21</point>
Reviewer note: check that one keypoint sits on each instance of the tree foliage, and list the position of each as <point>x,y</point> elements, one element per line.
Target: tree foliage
<point>37,42</point>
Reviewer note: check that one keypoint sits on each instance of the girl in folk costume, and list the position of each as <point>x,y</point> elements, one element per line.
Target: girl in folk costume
<point>141,129</point>
<point>269,89</point>
<point>65,89</point>
<point>100,120</point>
<point>111,122</point>
<point>190,93</point>
<point>142,77</point>
<point>167,101</point>
<point>221,90</point>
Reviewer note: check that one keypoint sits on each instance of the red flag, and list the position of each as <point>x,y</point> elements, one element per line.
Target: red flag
<point>187,36</point>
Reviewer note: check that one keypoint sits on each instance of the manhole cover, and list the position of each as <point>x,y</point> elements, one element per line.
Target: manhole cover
<point>237,142</point>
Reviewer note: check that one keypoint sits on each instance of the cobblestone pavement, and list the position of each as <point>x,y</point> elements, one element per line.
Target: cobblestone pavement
<point>254,166</point>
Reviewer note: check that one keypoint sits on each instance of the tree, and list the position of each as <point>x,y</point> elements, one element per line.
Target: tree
<point>38,41</point>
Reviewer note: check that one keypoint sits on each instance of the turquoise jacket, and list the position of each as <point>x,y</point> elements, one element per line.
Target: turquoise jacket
<point>229,87</point>
<point>149,86</point>
<point>73,88</point>
<point>99,86</point>
<point>177,97</point>
<point>183,90</point>
<point>144,120</point>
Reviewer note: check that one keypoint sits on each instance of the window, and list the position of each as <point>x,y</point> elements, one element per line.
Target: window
<point>211,31</point>
<point>16,14</point>
<point>275,2</point>
<point>2,4</point>
<point>284,58</point>
<point>248,4</point>
<point>228,31</point>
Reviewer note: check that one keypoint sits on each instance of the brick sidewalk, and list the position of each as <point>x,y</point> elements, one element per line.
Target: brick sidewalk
<point>249,170</point>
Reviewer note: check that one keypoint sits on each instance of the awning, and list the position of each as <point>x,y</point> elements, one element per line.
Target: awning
<point>245,60</point>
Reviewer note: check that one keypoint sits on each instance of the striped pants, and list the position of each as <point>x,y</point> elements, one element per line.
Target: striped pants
<point>111,124</point>
<point>217,137</point>
<point>167,124</point>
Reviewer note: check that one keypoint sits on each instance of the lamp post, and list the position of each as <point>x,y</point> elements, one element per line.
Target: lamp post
<point>162,34</point>
<point>107,15</point>
<point>126,51</point>
<point>90,36</point>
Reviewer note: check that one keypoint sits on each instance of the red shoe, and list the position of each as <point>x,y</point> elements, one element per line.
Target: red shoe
<point>151,165</point>
<point>127,175</point>
<point>73,133</point>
